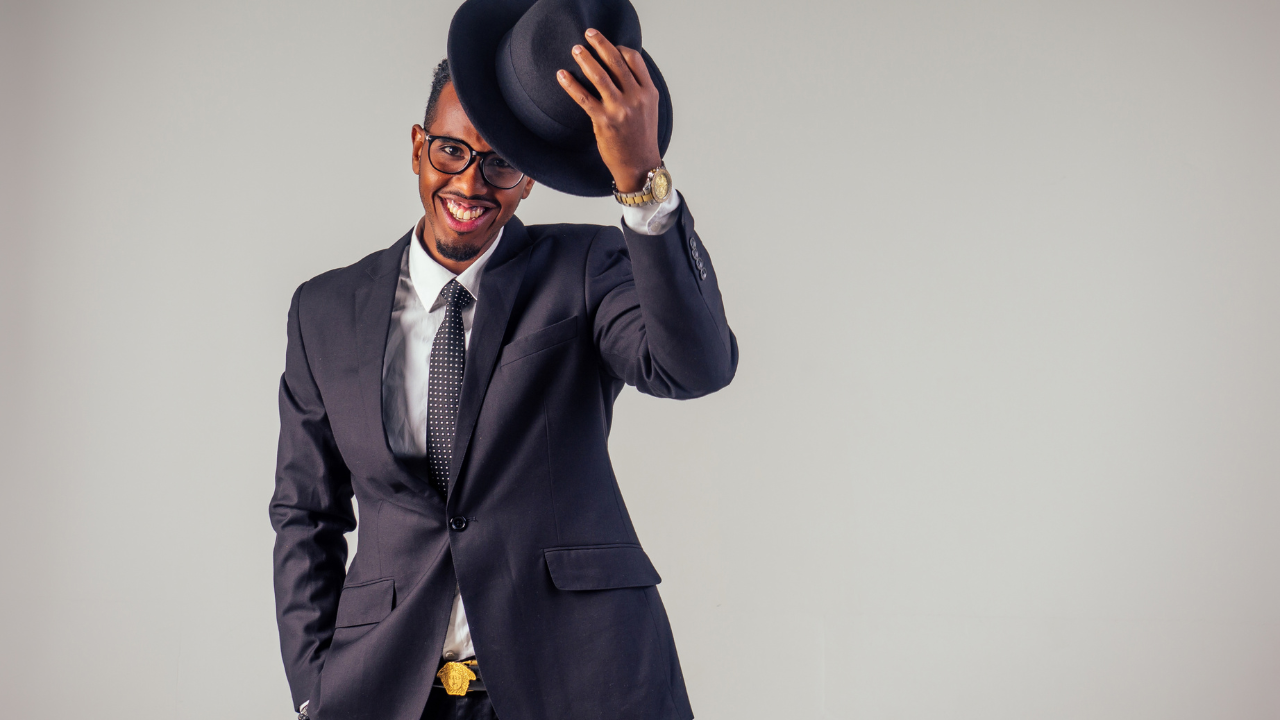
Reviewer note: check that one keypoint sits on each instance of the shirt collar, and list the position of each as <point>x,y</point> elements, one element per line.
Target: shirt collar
<point>429,277</point>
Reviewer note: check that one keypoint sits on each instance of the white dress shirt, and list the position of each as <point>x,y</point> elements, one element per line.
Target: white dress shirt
<point>415,317</point>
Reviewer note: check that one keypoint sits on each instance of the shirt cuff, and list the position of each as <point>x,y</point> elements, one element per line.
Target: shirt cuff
<point>652,219</point>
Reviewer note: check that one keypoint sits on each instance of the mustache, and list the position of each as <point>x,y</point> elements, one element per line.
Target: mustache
<point>460,196</point>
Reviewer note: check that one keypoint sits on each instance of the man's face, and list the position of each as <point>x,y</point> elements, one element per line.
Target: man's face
<point>463,212</point>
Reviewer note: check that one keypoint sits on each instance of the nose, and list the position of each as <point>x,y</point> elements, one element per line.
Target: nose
<point>470,181</point>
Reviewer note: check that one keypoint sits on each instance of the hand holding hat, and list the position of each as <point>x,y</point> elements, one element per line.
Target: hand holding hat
<point>625,117</point>
<point>577,118</point>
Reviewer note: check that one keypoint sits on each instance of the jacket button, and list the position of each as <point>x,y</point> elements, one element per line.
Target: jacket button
<point>458,523</point>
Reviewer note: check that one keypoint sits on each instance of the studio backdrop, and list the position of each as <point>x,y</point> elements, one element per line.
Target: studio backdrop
<point>1004,440</point>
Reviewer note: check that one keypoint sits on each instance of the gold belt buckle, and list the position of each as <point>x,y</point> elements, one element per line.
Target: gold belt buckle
<point>456,676</point>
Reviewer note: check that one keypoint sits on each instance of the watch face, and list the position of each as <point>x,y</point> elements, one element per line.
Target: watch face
<point>661,185</point>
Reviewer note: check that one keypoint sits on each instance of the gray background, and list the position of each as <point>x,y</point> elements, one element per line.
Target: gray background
<point>1005,436</point>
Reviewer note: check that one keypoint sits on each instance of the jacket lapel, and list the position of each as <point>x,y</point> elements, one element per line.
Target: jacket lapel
<point>374,302</point>
<point>499,286</point>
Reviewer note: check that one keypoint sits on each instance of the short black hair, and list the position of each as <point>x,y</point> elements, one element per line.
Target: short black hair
<point>438,81</point>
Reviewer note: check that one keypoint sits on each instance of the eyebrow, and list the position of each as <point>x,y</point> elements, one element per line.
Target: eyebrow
<point>465,144</point>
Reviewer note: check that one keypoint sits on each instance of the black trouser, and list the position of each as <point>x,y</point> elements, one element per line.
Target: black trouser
<point>472,706</point>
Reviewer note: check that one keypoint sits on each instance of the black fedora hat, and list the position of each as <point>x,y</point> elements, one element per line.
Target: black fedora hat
<point>503,57</point>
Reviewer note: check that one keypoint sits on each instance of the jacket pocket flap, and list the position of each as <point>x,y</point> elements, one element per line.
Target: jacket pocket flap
<point>548,336</point>
<point>600,567</point>
<point>366,603</point>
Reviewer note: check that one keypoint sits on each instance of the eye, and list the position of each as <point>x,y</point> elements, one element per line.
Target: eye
<point>500,164</point>
<point>454,150</point>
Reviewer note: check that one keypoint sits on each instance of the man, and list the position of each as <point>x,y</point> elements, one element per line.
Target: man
<point>460,385</point>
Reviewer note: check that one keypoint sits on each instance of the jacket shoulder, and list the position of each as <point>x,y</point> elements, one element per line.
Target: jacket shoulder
<point>567,232</point>
<point>344,280</point>
<point>569,237</point>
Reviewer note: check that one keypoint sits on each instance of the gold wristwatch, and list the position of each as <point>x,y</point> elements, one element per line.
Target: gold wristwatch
<point>657,186</point>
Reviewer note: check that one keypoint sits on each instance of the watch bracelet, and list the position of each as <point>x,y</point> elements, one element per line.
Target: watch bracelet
<point>643,196</point>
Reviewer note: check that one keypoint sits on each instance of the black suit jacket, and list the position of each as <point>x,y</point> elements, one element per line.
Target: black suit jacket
<point>560,596</point>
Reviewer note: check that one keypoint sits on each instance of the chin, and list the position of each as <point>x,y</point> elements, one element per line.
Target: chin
<point>459,251</point>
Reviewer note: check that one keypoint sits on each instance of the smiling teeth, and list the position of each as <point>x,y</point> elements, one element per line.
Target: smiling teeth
<point>463,213</point>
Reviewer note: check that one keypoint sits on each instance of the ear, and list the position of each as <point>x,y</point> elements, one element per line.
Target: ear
<point>419,138</point>
<point>528,188</point>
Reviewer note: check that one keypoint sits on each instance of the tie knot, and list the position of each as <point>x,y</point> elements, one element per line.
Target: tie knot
<point>454,295</point>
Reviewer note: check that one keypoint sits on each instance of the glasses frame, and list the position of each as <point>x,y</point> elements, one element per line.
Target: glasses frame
<point>484,158</point>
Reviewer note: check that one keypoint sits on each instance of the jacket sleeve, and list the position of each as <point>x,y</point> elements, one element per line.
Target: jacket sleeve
<point>310,511</point>
<point>659,322</point>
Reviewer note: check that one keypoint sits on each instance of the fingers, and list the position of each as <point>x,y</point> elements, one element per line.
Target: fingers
<point>618,66</point>
<point>579,94</point>
<point>596,74</point>
<point>639,69</point>
<point>624,87</point>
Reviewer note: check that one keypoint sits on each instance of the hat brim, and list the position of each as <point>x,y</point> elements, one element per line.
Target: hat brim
<point>477,29</point>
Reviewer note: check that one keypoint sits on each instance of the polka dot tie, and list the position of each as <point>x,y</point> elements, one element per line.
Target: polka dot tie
<point>444,383</point>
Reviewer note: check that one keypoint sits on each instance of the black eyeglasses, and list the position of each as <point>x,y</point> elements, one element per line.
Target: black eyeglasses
<point>453,156</point>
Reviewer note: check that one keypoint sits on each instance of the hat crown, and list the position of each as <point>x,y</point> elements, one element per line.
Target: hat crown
<point>541,43</point>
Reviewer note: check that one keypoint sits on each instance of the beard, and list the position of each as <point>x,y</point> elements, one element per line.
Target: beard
<point>457,252</point>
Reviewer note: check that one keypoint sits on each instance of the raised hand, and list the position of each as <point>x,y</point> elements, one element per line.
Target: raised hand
<point>625,118</point>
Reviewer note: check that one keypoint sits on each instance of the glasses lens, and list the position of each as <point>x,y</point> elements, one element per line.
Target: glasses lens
<point>500,173</point>
<point>448,156</point>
